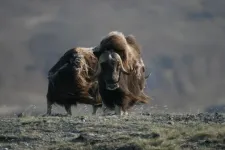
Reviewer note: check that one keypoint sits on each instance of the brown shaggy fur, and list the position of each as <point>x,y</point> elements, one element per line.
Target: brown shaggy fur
<point>130,52</point>
<point>70,80</point>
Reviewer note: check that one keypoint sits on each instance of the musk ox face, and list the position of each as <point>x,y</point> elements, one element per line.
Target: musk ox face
<point>111,73</point>
<point>110,67</point>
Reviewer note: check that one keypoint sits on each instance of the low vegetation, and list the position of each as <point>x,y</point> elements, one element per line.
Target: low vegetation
<point>134,132</point>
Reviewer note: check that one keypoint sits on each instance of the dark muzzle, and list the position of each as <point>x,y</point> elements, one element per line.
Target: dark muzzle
<point>112,86</point>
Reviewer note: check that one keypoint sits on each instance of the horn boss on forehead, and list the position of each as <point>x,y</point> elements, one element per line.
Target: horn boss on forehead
<point>104,56</point>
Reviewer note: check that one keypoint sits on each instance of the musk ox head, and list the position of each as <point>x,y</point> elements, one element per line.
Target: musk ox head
<point>110,67</point>
<point>124,50</point>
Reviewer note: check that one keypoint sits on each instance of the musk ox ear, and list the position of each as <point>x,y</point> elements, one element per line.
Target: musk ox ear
<point>131,39</point>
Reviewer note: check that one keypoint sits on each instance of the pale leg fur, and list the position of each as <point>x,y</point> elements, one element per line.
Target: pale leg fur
<point>118,111</point>
<point>95,108</point>
<point>104,109</point>
<point>49,108</point>
<point>68,110</point>
<point>126,113</point>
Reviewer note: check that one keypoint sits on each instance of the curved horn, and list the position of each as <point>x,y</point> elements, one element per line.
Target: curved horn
<point>146,77</point>
<point>117,56</point>
<point>102,58</point>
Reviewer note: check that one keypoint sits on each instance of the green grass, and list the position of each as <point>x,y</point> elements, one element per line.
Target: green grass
<point>157,131</point>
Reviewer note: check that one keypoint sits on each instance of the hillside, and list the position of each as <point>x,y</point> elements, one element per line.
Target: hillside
<point>134,132</point>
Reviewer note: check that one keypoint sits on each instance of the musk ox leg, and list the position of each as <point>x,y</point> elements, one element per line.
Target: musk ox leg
<point>68,110</point>
<point>95,108</point>
<point>118,110</point>
<point>49,107</point>
<point>104,109</point>
<point>125,113</point>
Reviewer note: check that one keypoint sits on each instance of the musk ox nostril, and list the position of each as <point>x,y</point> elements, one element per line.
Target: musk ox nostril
<point>112,87</point>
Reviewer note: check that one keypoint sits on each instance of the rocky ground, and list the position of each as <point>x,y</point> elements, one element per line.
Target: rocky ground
<point>134,132</point>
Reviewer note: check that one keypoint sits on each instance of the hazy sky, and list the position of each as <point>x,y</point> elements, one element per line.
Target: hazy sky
<point>34,34</point>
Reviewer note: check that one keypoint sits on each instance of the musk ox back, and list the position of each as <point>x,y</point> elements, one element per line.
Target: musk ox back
<point>70,80</point>
<point>121,72</point>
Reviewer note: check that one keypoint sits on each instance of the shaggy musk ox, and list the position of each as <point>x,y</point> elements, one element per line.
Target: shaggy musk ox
<point>121,72</point>
<point>70,80</point>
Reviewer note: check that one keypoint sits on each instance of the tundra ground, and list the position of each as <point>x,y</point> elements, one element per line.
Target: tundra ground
<point>134,132</point>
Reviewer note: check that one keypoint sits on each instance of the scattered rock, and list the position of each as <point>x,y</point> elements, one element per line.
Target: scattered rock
<point>208,142</point>
<point>170,122</point>
<point>220,146</point>
<point>155,135</point>
<point>90,138</point>
<point>80,138</point>
<point>15,138</point>
<point>83,119</point>
<point>5,147</point>
<point>189,146</point>
<point>200,137</point>
<point>146,136</point>
<point>130,147</point>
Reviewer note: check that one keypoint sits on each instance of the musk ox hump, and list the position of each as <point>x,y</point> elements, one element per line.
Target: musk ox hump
<point>87,53</point>
<point>114,40</point>
<point>131,40</point>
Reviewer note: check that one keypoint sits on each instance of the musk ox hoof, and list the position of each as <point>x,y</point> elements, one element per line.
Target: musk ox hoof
<point>56,115</point>
<point>46,115</point>
<point>68,115</point>
<point>20,115</point>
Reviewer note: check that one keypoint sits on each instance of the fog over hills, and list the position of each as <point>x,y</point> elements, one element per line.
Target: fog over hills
<point>183,45</point>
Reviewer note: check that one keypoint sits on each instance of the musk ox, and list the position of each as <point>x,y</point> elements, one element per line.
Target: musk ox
<point>121,72</point>
<point>70,81</point>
